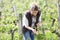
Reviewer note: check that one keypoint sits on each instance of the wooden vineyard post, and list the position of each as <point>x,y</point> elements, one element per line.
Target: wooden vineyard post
<point>58,9</point>
<point>20,24</point>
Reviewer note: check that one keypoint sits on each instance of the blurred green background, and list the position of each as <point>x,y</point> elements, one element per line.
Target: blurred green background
<point>9,15</point>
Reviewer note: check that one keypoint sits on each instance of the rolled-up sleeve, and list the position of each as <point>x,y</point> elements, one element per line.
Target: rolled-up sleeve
<point>25,21</point>
<point>40,19</point>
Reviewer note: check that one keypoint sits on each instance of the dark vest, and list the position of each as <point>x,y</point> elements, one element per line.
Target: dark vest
<point>29,17</point>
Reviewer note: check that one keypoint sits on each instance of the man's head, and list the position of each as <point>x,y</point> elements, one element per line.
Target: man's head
<point>34,9</point>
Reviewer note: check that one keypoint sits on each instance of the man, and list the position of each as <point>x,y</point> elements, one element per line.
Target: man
<point>31,20</point>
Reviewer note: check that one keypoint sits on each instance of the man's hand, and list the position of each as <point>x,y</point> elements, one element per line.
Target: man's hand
<point>38,24</point>
<point>35,32</point>
<point>38,27</point>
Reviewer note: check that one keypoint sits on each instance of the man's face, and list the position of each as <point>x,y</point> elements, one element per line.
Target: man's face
<point>33,12</point>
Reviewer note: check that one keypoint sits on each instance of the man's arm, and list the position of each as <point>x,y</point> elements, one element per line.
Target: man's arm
<point>25,23</point>
<point>40,22</point>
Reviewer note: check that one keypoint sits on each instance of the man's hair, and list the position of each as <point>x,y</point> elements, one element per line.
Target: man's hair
<point>35,7</point>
